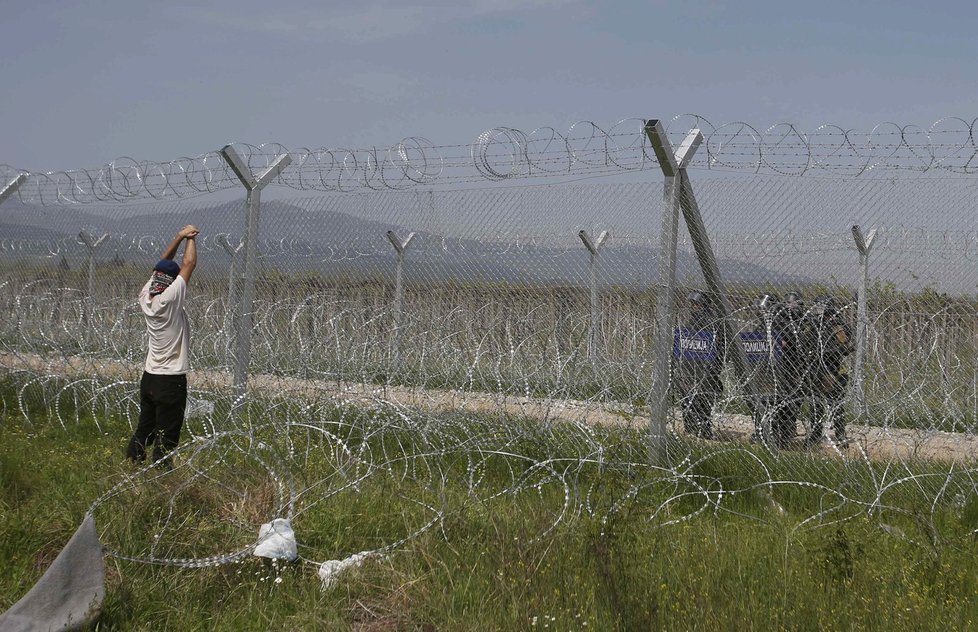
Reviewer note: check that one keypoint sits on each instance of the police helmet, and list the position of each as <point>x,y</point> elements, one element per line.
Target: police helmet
<point>826,306</point>
<point>698,301</point>
<point>794,302</point>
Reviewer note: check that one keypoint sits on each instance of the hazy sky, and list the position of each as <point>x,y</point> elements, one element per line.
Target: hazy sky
<point>84,83</point>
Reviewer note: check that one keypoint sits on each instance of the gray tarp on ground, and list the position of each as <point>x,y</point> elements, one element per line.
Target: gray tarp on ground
<point>69,595</point>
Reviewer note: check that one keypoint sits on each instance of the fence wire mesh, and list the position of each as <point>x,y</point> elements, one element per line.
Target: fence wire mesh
<point>394,331</point>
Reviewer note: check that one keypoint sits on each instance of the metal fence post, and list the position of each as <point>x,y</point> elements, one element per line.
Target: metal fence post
<point>223,241</point>
<point>864,246</point>
<point>678,195</point>
<point>594,248</point>
<point>92,244</point>
<point>253,207</point>
<point>12,187</point>
<point>666,289</point>
<point>400,247</point>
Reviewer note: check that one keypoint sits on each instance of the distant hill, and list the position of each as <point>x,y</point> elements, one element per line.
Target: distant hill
<point>328,241</point>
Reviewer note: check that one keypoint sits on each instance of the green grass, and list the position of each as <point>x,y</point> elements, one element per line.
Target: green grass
<point>504,556</point>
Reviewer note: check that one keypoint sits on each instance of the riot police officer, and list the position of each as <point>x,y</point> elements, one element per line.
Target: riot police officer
<point>762,350</point>
<point>792,331</point>
<point>831,343</point>
<point>698,355</point>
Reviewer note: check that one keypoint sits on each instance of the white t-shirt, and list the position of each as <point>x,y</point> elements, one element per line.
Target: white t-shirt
<point>168,328</point>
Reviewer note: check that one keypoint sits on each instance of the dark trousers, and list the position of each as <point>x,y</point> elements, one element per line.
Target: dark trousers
<point>832,410</point>
<point>697,413</point>
<point>785,423</point>
<point>780,416</point>
<point>828,404</point>
<point>775,419</point>
<point>162,401</point>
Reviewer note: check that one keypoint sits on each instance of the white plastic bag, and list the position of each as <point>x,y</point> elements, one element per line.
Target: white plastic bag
<point>276,540</point>
<point>330,570</point>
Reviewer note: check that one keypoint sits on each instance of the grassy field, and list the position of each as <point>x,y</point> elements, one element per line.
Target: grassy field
<point>631,550</point>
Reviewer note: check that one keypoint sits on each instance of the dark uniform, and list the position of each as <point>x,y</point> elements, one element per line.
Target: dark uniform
<point>762,347</point>
<point>831,343</point>
<point>793,368</point>
<point>698,356</point>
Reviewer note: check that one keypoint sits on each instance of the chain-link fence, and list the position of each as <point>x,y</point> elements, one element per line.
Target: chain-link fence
<point>825,318</point>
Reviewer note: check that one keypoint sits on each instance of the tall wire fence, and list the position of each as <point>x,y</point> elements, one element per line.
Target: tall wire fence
<point>451,291</point>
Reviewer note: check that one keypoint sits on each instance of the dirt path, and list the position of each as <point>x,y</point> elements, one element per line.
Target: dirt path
<point>878,444</point>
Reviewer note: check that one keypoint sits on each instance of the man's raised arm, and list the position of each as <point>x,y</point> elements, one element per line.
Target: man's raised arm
<point>189,255</point>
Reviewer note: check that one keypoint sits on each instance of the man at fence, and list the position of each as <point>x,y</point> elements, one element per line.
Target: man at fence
<point>163,388</point>
<point>831,343</point>
<point>698,352</point>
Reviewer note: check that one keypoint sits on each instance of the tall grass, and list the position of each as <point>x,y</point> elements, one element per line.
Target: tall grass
<point>633,549</point>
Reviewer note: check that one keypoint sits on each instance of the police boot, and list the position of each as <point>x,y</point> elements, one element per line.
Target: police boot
<point>757,436</point>
<point>814,437</point>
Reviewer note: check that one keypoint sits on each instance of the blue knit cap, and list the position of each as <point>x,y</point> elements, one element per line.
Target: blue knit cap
<point>168,266</point>
<point>165,273</point>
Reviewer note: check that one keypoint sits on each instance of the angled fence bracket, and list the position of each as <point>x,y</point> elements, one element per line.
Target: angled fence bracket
<point>12,187</point>
<point>678,196</point>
